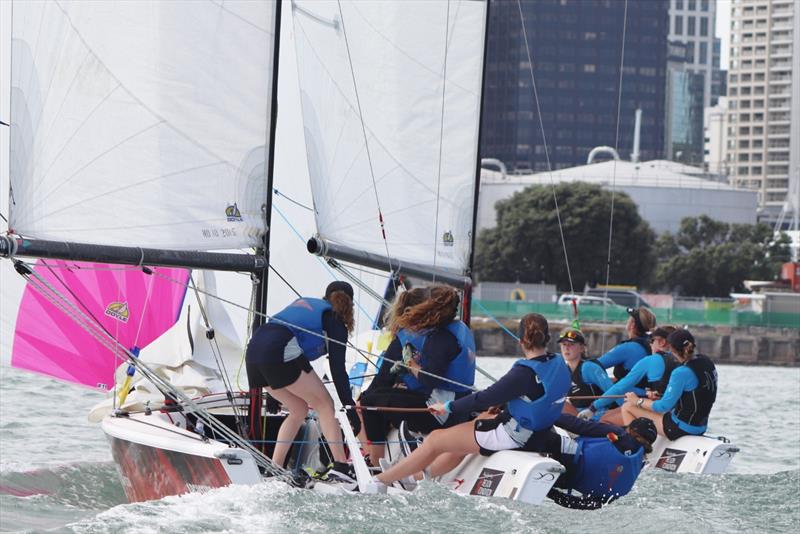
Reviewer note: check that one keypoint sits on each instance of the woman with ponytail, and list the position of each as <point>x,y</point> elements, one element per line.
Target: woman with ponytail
<point>532,393</point>
<point>690,394</point>
<point>430,359</point>
<point>279,356</point>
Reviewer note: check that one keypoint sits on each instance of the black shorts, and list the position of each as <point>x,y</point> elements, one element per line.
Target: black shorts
<point>377,424</point>
<point>671,429</point>
<point>277,375</point>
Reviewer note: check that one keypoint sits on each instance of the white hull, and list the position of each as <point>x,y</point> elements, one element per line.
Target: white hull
<point>701,455</point>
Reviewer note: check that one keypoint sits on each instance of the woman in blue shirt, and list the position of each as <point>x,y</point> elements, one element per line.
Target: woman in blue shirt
<point>588,377</point>
<point>689,397</point>
<point>624,355</point>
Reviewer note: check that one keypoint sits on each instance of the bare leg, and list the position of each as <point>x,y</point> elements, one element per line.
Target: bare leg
<point>613,417</point>
<point>298,409</point>
<point>310,387</point>
<point>631,412</point>
<point>459,439</point>
<point>444,464</point>
<point>376,451</point>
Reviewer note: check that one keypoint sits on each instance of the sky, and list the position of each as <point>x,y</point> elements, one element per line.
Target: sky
<point>723,25</point>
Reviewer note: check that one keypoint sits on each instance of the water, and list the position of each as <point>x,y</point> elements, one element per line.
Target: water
<point>56,475</point>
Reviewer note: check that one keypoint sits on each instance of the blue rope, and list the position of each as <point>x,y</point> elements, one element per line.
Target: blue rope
<point>325,265</point>
<point>493,318</point>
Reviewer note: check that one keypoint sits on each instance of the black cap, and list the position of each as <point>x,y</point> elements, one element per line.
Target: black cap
<point>680,338</point>
<point>634,312</point>
<point>645,428</point>
<point>571,335</point>
<point>339,285</point>
<point>660,332</point>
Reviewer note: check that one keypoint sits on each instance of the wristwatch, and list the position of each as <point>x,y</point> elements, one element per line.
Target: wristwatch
<point>640,402</point>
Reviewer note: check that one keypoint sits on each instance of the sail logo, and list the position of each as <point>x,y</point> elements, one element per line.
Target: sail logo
<point>232,213</point>
<point>447,239</point>
<point>118,310</point>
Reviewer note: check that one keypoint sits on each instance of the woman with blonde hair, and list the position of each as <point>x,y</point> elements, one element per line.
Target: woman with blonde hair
<point>431,358</point>
<point>278,358</point>
<point>626,354</point>
<point>688,398</point>
<point>533,393</point>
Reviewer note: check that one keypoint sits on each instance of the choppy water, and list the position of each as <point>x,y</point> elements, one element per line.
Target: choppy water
<point>56,475</point>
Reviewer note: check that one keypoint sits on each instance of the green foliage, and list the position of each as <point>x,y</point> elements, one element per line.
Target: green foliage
<point>711,258</point>
<point>525,245</point>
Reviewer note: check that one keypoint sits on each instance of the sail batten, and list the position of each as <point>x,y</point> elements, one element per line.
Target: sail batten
<point>391,125</point>
<point>142,123</point>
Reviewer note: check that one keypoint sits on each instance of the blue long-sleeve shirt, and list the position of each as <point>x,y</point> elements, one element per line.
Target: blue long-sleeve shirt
<point>517,382</point>
<point>626,354</point>
<point>651,367</point>
<point>681,380</point>
<point>595,375</point>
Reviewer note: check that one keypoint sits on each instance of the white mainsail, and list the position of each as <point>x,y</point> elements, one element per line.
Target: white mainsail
<point>157,137</point>
<point>412,72</point>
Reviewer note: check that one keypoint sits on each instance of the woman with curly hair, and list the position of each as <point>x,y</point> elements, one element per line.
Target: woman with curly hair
<point>278,358</point>
<point>430,359</point>
<point>533,394</point>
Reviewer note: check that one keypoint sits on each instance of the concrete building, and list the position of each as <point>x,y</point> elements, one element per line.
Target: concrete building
<point>683,114</point>
<point>692,23</point>
<point>762,99</point>
<point>715,121</point>
<point>575,48</point>
<point>663,193</point>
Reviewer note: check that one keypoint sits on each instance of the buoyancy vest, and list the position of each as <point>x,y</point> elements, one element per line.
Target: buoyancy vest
<point>620,370</point>
<point>461,368</point>
<point>670,364</point>
<point>580,388</point>
<point>603,470</point>
<point>694,406</point>
<point>306,313</point>
<point>539,414</point>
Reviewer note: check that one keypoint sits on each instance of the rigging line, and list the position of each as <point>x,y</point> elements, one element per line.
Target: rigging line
<point>441,140</point>
<point>278,193</point>
<point>5,124</point>
<point>162,385</point>
<point>218,357</point>
<point>366,141</point>
<point>3,217</point>
<point>285,281</point>
<point>614,171</point>
<point>320,260</point>
<point>347,344</point>
<point>546,151</point>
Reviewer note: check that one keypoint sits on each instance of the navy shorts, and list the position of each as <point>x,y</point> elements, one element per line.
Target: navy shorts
<point>671,429</point>
<point>277,375</point>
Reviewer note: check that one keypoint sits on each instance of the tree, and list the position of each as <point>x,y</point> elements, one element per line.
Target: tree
<point>712,258</point>
<point>526,246</point>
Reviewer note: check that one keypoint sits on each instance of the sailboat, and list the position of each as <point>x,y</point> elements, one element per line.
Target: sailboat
<point>158,159</point>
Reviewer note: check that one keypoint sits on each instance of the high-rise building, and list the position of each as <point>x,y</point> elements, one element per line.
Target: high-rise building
<point>761,97</point>
<point>575,48</point>
<point>716,138</point>
<point>683,117</point>
<point>693,22</point>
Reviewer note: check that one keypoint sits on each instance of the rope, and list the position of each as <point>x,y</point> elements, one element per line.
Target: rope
<point>441,140</point>
<point>614,171</point>
<point>546,151</point>
<point>366,141</point>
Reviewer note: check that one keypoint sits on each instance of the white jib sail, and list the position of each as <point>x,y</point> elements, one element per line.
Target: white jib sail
<point>413,74</point>
<point>141,123</point>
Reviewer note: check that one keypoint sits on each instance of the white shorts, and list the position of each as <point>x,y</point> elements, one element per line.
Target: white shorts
<point>496,439</point>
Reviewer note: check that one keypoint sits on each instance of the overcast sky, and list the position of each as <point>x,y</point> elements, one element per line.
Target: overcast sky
<point>723,26</point>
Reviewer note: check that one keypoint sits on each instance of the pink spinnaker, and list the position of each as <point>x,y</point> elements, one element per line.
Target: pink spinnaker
<point>134,307</point>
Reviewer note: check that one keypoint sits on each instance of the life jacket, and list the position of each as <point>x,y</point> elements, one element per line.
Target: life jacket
<point>694,406</point>
<point>541,413</point>
<point>603,470</point>
<point>461,368</point>
<point>620,370</point>
<point>670,364</point>
<point>580,388</point>
<point>306,313</point>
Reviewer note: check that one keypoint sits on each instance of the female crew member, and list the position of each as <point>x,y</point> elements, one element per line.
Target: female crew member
<point>625,355</point>
<point>431,343</point>
<point>278,358</point>
<point>533,391</point>
<point>690,393</point>
<point>588,377</point>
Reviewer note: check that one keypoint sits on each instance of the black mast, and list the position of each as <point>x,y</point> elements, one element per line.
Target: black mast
<point>465,312</point>
<point>263,251</point>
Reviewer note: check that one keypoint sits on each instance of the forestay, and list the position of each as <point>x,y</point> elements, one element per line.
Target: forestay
<point>141,123</point>
<point>412,72</point>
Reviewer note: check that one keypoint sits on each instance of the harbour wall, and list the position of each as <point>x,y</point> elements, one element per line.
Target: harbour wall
<point>746,345</point>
